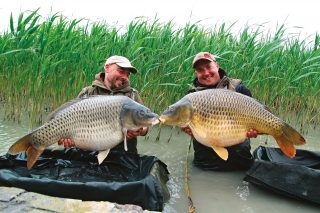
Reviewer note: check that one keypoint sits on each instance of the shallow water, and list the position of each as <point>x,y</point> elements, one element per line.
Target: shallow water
<point>213,191</point>
<point>210,191</point>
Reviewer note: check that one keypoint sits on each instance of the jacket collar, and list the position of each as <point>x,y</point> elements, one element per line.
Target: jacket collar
<point>99,82</point>
<point>222,74</point>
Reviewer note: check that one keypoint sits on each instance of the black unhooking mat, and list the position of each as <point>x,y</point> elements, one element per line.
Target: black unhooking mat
<point>296,177</point>
<point>123,177</point>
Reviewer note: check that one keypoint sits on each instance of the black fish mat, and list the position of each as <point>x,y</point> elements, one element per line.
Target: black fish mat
<point>123,177</point>
<point>296,177</point>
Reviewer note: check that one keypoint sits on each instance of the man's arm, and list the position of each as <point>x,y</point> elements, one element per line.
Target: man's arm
<point>243,90</point>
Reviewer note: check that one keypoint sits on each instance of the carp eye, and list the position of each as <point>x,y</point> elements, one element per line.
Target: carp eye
<point>141,113</point>
<point>170,109</point>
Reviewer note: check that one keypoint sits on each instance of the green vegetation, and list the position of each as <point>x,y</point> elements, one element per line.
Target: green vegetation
<point>45,62</point>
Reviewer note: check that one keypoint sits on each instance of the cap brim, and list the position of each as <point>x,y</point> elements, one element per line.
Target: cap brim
<point>208,59</point>
<point>129,66</point>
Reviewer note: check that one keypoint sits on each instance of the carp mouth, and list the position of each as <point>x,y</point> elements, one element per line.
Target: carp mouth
<point>162,120</point>
<point>165,120</point>
<point>171,122</point>
<point>155,121</point>
<point>179,114</point>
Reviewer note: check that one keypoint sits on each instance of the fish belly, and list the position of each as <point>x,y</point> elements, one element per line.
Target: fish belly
<point>97,142</point>
<point>221,133</point>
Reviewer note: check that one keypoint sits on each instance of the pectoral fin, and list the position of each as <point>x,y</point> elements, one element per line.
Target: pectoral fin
<point>56,147</point>
<point>221,151</point>
<point>102,155</point>
<point>197,131</point>
<point>124,130</point>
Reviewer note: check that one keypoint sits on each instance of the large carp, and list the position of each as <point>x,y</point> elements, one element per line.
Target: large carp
<point>96,123</point>
<point>221,118</point>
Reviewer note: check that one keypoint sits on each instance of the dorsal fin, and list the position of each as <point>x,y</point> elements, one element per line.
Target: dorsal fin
<point>264,106</point>
<point>62,107</point>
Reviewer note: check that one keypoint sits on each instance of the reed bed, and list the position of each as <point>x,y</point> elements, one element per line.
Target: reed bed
<point>46,61</point>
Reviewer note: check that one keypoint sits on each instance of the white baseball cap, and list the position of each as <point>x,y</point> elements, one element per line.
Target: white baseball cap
<point>121,62</point>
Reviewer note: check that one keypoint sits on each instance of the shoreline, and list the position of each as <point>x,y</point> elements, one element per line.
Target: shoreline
<point>19,200</point>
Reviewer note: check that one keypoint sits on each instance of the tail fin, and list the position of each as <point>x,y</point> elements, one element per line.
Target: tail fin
<point>33,155</point>
<point>288,139</point>
<point>23,144</point>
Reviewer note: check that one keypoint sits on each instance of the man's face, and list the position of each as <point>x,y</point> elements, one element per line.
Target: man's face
<point>116,77</point>
<point>207,72</point>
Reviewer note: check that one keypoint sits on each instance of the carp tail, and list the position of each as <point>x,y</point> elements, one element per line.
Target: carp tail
<point>21,145</point>
<point>288,139</point>
<point>24,144</point>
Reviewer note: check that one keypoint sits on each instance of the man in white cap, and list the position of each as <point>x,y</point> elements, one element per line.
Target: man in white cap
<point>114,81</point>
<point>210,76</point>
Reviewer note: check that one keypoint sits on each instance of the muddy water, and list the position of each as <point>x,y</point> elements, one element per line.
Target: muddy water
<point>210,191</point>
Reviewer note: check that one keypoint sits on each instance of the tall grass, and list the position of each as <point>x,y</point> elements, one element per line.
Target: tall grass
<point>46,61</point>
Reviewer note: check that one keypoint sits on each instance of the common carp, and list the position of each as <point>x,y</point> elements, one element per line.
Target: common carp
<point>220,118</point>
<point>96,123</point>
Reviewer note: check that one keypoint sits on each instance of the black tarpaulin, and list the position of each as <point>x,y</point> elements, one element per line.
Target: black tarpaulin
<point>296,177</point>
<point>123,177</point>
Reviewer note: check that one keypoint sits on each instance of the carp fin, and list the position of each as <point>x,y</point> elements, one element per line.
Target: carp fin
<point>293,135</point>
<point>33,155</point>
<point>221,152</point>
<point>197,131</point>
<point>21,145</point>
<point>286,147</point>
<point>62,107</point>
<point>288,139</point>
<point>56,147</point>
<point>125,144</point>
<point>262,105</point>
<point>124,130</point>
<point>102,155</point>
<point>24,144</point>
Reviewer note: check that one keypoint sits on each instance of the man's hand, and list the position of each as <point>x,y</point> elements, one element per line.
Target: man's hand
<point>67,142</point>
<point>252,133</point>
<point>140,132</point>
<point>187,130</point>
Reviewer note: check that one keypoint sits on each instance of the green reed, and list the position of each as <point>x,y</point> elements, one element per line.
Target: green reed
<point>46,61</point>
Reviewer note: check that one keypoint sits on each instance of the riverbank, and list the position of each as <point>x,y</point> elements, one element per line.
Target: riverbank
<point>19,200</point>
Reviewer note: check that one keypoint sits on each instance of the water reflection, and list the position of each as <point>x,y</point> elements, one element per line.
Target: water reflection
<point>210,191</point>
<point>10,132</point>
<point>243,192</point>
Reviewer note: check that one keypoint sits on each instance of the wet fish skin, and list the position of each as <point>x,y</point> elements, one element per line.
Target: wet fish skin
<point>220,118</point>
<point>96,123</point>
